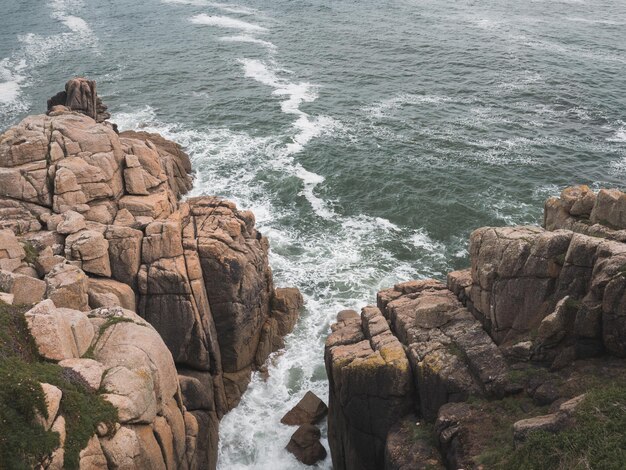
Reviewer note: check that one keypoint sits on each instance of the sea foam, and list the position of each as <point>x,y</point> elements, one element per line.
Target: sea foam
<point>227,22</point>
<point>248,39</point>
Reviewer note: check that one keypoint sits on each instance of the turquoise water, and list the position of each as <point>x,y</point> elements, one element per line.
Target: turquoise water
<point>369,138</point>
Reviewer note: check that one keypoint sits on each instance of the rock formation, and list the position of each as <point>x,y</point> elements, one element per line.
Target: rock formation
<point>100,226</point>
<point>539,310</point>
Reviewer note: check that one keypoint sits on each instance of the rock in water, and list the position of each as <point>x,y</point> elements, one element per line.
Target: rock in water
<point>305,445</point>
<point>309,410</point>
<point>80,95</point>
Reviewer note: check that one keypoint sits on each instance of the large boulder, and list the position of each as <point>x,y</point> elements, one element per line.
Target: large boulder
<point>59,333</point>
<point>26,290</point>
<point>67,286</point>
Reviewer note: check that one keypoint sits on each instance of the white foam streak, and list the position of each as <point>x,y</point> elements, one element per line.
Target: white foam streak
<point>307,127</point>
<point>248,39</point>
<point>386,107</point>
<point>619,136</point>
<point>226,22</point>
<point>230,8</point>
<point>76,24</point>
<point>339,264</point>
<point>35,50</point>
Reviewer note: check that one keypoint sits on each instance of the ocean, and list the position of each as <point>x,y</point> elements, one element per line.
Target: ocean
<point>369,138</point>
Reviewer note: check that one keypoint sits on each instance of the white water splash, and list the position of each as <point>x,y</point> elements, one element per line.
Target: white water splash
<point>36,50</point>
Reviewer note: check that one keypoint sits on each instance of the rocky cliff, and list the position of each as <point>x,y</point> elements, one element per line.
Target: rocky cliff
<point>488,369</point>
<point>163,306</point>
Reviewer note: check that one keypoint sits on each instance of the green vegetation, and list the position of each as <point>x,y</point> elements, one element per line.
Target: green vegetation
<point>113,321</point>
<point>422,432</point>
<point>23,442</point>
<point>525,375</point>
<point>31,252</point>
<point>596,441</point>
<point>455,350</point>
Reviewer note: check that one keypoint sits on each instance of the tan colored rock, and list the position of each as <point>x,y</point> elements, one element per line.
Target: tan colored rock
<point>10,247</point>
<point>10,265</point>
<point>110,293</point>
<point>132,393</point>
<point>58,456</point>
<point>610,209</point>
<point>43,239</point>
<point>52,396</point>
<point>164,437</point>
<point>91,371</point>
<point>286,304</point>
<point>124,253</point>
<point>191,439</point>
<point>46,261</point>
<point>128,341</point>
<point>79,96</point>
<point>133,447</point>
<point>92,457</point>
<point>27,270</point>
<point>67,287</point>
<point>24,143</point>
<point>92,249</point>
<point>59,333</point>
<point>174,415</point>
<point>26,290</point>
<point>135,183</point>
<point>72,222</point>
<point>20,217</point>
<point>156,205</point>
<point>125,219</point>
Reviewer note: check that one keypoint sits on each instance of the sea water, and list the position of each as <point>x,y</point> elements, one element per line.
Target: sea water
<point>369,138</point>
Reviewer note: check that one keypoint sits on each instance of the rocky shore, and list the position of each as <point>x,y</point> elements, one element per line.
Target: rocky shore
<point>487,369</point>
<point>159,306</point>
<point>131,320</point>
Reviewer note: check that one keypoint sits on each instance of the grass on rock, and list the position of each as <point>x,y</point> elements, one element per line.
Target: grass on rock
<point>23,442</point>
<point>596,441</point>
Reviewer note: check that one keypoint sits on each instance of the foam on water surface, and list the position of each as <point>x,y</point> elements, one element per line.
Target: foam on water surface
<point>227,22</point>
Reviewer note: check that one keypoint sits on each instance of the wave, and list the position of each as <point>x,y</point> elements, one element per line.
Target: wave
<point>386,107</point>
<point>339,263</point>
<point>307,127</point>
<point>619,135</point>
<point>16,71</point>
<point>248,39</point>
<point>76,24</point>
<point>237,9</point>
<point>226,22</point>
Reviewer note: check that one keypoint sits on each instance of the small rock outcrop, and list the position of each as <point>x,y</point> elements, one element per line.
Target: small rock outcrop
<point>305,445</point>
<point>310,410</point>
<point>540,309</point>
<point>80,95</point>
<point>92,221</point>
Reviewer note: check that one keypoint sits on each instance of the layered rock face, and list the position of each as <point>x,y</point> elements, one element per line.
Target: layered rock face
<point>535,303</point>
<point>100,215</point>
